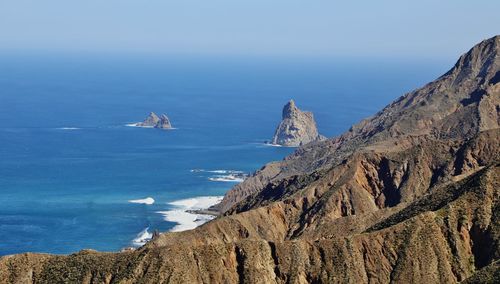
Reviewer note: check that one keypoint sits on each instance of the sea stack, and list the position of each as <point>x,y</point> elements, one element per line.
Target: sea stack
<point>164,122</point>
<point>297,127</point>
<point>155,121</point>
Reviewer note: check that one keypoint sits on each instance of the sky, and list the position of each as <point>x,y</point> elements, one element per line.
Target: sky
<point>310,28</point>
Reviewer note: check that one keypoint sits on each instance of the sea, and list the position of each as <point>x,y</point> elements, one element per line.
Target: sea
<point>75,174</point>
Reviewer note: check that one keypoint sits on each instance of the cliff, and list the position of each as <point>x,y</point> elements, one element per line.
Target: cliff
<point>411,195</point>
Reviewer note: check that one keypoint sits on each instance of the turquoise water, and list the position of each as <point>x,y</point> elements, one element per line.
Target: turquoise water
<point>69,165</point>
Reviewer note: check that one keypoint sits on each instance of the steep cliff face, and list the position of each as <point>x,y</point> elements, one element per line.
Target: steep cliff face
<point>458,105</point>
<point>297,127</point>
<point>411,195</point>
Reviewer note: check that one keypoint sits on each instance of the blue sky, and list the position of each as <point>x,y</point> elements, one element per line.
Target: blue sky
<point>423,28</point>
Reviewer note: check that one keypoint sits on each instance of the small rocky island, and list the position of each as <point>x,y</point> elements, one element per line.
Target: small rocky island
<point>155,121</point>
<point>297,127</point>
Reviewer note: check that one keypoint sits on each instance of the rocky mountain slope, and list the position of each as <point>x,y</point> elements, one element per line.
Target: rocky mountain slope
<point>296,128</point>
<point>459,104</point>
<point>411,195</point>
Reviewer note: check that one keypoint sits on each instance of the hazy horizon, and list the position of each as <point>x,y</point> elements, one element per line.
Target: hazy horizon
<point>279,28</point>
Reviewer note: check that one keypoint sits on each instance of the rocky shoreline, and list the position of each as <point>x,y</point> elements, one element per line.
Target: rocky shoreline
<point>208,211</point>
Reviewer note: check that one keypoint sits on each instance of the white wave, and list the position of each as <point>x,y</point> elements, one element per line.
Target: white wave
<point>267,144</point>
<point>147,200</point>
<point>196,203</point>
<point>68,128</point>
<point>142,238</point>
<point>273,145</point>
<point>137,124</point>
<point>227,178</point>
<point>187,220</point>
<point>225,172</point>
<point>223,175</point>
<point>216,171</point>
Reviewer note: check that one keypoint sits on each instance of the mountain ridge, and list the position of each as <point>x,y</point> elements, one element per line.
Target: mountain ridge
<point>383,126</point>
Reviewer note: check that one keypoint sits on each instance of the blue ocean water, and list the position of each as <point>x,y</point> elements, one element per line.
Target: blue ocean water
<point>69,165</point>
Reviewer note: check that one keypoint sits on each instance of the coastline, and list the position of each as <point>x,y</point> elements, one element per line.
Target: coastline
<point>207,211</point>
<point>191,212</point>
<point>188,213</point>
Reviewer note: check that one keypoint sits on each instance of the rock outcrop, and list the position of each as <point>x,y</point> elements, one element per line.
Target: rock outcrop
<point>155,121</point>
<point>164,122</point>
<point>411,195</point>
<point>297,127</point>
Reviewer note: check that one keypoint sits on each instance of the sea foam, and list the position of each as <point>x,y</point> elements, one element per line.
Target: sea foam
<point>137,124</point>
<point>68,128</point>
<point>142,238</point>
<point>147,200</point>
<point>223,175</point>
<point>227,178</point>
<point>187,220</point>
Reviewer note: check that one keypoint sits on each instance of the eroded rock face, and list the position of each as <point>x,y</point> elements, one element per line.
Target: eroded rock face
<point>155,121</point>
<point>297,127</point>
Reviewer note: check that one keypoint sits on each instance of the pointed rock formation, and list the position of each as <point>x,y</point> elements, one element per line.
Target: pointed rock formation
<point>164,122</point>
<point>155,121</point>
<point>150,121</point>
<point>297,127</point>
